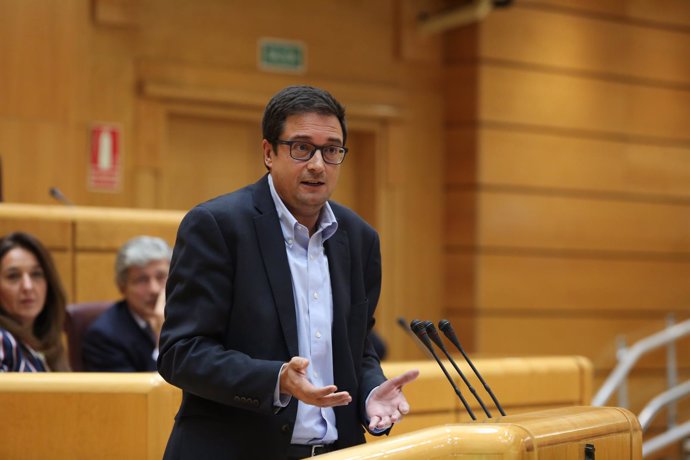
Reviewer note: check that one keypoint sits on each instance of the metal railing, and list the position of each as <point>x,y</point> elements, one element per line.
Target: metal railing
<point>617,381</point>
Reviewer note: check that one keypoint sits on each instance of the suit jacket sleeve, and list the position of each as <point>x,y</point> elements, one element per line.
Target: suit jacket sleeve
<point>200,300</point>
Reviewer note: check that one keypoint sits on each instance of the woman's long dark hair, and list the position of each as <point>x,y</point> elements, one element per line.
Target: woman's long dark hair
<point>46,334</point>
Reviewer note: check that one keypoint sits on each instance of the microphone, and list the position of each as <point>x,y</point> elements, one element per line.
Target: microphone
<point>58,195</point>
<point>403,324</point>
<point>419,328</point>
<point>447,329</point>
<point>433,335</point>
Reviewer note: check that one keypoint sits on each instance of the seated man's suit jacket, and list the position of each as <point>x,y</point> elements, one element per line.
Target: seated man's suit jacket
<point>230,324</point>
<point>114,342</point>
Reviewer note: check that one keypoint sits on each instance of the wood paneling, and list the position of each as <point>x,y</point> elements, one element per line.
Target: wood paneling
<point>562,284</point>
<point>222,34</point>
<point>33,44</point>
<point>24,146</point>
<point>105,229</point>
<point>613,50</point>
<point>95,277</point>
<point>660,13</point>
<point>574,104</point>
<point>568,155</point>
<point>556,164</point>
<point>206,158</point>
<point>549,221</point>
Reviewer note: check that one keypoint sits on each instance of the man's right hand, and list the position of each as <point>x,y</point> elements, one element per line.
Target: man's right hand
<point>294,382</point>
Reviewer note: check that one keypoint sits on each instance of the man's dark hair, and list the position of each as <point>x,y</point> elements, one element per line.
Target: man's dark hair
<point>295,100</point>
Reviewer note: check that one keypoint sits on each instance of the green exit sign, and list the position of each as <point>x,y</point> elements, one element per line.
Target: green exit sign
<point>282,55</point>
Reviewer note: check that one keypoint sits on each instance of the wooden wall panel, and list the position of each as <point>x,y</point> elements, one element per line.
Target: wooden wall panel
<point>540,221</point>
<point>206,158</point>
<point>562,285</point>
<point>95,277</point>
<point>587,335</point>
<point>33,155</point>
<point>224,34</point>
<point>537,160</point>
<point>104,229</point>
<point>64,262</point>
<point>586,106</point>
<point>659,13</point>
<point>613,50</point>
<point>574,154</point>
<point>33,44</point>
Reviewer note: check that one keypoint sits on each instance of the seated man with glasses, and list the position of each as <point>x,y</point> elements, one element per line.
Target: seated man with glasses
<point>271,301</point>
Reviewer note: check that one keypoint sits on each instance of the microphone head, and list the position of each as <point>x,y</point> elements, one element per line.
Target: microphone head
<point>402,323</point>
<point>433,334</point>
<point>418,327</point>
<point>444,324</point>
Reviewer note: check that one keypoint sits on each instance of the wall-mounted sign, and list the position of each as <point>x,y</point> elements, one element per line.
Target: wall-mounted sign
<point>280,55</point>
<point>104,160</point>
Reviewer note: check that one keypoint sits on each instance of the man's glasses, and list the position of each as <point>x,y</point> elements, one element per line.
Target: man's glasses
<point>303,151</point>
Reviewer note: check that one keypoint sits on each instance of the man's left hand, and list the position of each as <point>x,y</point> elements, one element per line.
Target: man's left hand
<point>387,404</point>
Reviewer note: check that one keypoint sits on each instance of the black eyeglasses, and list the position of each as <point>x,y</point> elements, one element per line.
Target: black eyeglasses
<point>303,151</point>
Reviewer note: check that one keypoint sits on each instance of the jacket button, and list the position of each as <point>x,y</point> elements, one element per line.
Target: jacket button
<point>285,428</point>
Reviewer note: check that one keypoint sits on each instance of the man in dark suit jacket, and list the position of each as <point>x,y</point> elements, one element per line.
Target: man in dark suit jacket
<point>270,302</point>
<point>125,337</point>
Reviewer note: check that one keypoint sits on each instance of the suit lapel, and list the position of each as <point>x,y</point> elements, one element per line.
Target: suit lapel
<point>338,252</point>
<point>272,246</point>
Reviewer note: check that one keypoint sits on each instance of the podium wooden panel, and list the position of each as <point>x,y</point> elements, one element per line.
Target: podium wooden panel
<point>79,416</point>
<point>553,434</point>
<point>522,384</point>
<point>130,415</point>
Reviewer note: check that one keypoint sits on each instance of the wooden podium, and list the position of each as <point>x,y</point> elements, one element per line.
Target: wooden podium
<point>554,434</point>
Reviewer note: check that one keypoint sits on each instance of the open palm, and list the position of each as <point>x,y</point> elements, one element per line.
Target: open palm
<point>387,403</point>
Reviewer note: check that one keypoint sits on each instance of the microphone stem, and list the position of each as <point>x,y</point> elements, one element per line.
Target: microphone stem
<point>457,390</point>
<point>486,386</point>
<point>464,379</point>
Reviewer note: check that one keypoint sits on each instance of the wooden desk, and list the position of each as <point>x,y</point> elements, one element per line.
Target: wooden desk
<point>554,434</point>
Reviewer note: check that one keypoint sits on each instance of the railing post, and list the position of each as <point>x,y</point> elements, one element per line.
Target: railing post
<point>621,349</point>
<point>671,374</point>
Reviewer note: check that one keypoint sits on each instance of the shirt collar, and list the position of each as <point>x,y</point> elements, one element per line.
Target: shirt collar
<point>141,322</point>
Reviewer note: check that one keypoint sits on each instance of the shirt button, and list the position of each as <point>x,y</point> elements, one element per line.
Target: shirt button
<point>316,295</point>
<point>318,335</point>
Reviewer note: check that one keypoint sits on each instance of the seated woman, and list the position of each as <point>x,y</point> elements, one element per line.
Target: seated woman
<point>32,307</point>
